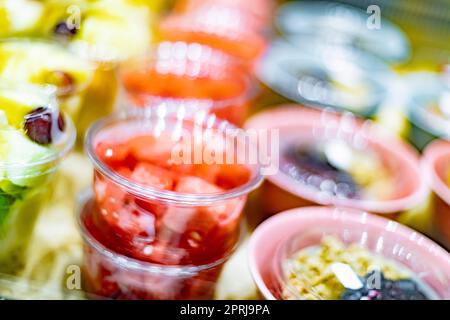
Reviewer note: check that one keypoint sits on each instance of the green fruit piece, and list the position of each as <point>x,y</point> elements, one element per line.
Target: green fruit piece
<point>6,201</point>
<point>16,149</point>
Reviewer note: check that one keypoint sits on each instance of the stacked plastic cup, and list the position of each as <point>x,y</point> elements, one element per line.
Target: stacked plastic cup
<point>161,222</point>
<point>231,26</point>
<point>189,75</point>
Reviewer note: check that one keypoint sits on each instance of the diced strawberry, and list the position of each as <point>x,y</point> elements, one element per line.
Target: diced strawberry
<point>153,176</point>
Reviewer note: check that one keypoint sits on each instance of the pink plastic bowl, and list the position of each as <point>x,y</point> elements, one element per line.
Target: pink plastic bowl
<point>429,262</point>
<point>436,166</point>
<point>281,192</point>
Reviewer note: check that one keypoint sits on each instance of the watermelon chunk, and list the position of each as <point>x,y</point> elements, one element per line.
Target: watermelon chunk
<point>153,176</point>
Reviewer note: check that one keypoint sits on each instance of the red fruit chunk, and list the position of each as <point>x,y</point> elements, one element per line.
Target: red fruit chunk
<point>189,184</point>
<point>112,153</point>
<point>151,149</point>
<point>232,175</point>
<point>153,176</point>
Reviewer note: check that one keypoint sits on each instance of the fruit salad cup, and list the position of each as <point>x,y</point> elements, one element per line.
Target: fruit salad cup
<point>192,76</point>
<point>331,159</point>
<point>20,17</point>
<point>159,209</point>
<point>320,253</point>
<point>99,31</point>
<point>436,168</point>
<point>225,28</point>
<point>34,136</point>
<point>43,62</point>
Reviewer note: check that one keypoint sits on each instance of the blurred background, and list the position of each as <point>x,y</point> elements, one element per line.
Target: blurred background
<point>383,60</point>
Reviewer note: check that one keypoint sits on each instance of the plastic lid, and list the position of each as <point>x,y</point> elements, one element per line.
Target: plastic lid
<point>328,78</point>
<point>342,25</point>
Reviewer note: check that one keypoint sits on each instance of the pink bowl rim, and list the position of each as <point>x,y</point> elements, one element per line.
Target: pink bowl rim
<point>322,214</point>
<point>432,153</point>
<point>398,148</point>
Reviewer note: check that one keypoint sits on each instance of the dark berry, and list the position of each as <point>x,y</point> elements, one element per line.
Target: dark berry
<point>405,289</point>
<point>61,123</point>
<point>38,125</point>
<point>63,30</point>
<point>312,168</point>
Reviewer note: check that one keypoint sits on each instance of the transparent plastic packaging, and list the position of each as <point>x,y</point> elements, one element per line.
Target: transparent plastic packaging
<point>341,25</point>
<point>343,138</point>
<point>429,98</point>
<point>69,74</point>
<point>191,76</point>
<point>225,28</point>
<point>406,251</point>
<point>24,186</point>
<point>436,168</point>
<point>108,274</point>
<point>178,229</point>
<point>325,76</point>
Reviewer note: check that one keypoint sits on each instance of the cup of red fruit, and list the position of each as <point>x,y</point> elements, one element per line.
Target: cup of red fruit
<point>436,168</point>
<point>328,158</point>
<point>156,202</point>
<point>189,75</point>
<point>258,11</point>
<point>110,274</point>
<point>327,253</point>
<point>222,27</point>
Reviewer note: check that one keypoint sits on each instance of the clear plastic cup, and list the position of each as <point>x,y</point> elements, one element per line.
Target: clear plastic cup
<point>229,30</point>
<point>25,185</point>
<point>324,75</point>
<point>403,187</point>
<point>282,236</point>
<point>76,79</point>
<point>429,98</point>
<point>158,211</point>
<point>109,274</point>
<point>342,25</point>
<point>260,11</point>
<point>435,167</point>
<point>189,75</point>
